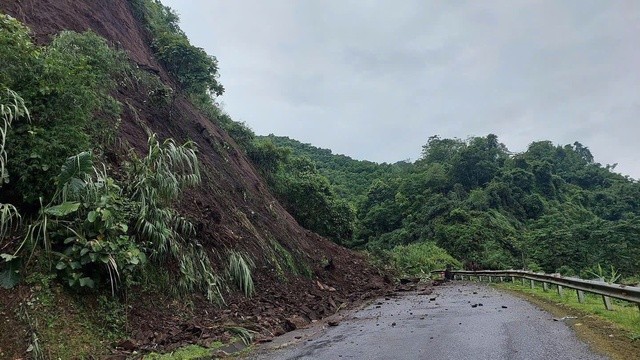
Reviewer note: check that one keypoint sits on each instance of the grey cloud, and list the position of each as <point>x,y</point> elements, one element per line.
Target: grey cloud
<point>375,79</point>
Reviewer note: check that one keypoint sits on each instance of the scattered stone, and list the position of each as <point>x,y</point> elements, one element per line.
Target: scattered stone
<point>127,345</point>
<point>504,307</point>
<point>295,322</point>
<point>474,305</point>
<point>393,324</point>
<point>298,337</point>
<point>475,292</point>
<point>480,304</point>
<point>333,323</point>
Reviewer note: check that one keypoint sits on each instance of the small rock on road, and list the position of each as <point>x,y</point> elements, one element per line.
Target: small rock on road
<point>416,327</point>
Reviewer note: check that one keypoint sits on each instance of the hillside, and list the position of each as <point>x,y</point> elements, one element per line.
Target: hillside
<point>549,208</point>
<point>231,209</point>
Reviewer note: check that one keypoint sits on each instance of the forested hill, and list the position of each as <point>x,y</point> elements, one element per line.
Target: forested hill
<point>549,208</point>
<point>350,178</point>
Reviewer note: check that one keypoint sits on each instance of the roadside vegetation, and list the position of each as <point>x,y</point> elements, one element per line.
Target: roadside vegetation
<point>624,314</point>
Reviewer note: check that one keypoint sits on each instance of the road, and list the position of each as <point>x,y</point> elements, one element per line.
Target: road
<point>457,321</point>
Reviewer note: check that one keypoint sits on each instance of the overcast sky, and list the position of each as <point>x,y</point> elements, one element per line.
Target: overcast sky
<point>374,79</point>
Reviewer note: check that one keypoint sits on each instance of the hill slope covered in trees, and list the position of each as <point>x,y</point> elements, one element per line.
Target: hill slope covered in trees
<point>549,208</point>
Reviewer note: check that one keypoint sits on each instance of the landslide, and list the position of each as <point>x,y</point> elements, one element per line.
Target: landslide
<point>232,209</point>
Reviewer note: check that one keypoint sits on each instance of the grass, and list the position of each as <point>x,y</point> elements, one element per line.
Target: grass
<point>624,314</point>
<point>190,352</point>
<point>61,327</point>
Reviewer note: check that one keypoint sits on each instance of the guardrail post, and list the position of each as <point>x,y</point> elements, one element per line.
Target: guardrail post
<point>501,279</point>
<point>533,285</point>
<point>580,296</point>
<point>607,302</point>
<point>523,281</point>
<point>545,286</point>
<point>489,278</point>
<point>559,290</point>
<point>480,278</point>
<point>513,279</point>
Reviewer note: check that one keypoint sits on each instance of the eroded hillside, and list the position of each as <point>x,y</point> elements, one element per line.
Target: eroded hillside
<point>297,272</point>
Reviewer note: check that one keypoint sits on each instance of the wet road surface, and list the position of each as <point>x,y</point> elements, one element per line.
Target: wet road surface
<point>457,321</point>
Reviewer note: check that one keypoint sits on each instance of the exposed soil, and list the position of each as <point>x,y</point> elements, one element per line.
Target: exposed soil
<point>232,209</point>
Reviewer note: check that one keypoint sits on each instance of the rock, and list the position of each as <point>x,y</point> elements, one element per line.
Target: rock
<point>474,305</point>
<point>127,345</point>
<point>504,307</point>
<point>296,322</point>
<point>333,323</point>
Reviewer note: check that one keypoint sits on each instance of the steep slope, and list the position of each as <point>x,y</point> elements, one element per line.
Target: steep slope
<point>232,209</point>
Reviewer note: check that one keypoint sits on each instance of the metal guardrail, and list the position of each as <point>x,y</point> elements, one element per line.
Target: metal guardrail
<point>616,291</point>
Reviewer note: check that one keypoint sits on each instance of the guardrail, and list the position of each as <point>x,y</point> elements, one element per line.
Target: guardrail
<point>616,291</point>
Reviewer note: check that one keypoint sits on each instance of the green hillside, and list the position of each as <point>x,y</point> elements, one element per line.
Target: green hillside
<point>549,208</point>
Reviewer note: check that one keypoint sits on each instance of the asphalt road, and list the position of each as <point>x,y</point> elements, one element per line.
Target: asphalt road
<point>443,325</point>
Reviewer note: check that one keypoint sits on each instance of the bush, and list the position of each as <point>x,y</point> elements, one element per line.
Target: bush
<point>64,85</point>
<point>421,258</point>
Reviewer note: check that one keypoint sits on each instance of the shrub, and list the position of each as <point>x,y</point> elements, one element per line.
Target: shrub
<point>421,258</point>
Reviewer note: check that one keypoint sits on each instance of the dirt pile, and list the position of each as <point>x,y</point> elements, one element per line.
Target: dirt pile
<point>232,209</point>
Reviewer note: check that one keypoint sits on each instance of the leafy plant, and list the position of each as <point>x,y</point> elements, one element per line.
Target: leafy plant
<point>196,71</point>
<point>245,335</point>
<point>421,258</point>
<point>609,276</point>
<point>240,272</point>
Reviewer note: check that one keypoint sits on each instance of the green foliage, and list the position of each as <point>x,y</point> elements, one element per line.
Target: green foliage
<point>421,258</point>
<point>610,276</point>
<point>550,207</point>
<point>196,71</point>
<point>624,314</point>
<point>190,352</point>
<point>303,191</point>
<point>102,231</point>
<point>66,87</point>
<point>239,270</point>
<point>11,107</point>
<point>245,335</point>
